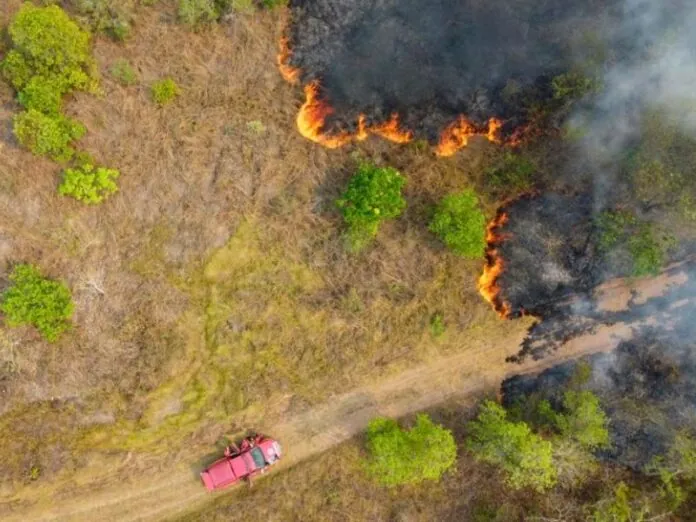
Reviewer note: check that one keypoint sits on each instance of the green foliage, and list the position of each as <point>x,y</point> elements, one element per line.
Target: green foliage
<point>195,12</point>
<point>273,4</point>
<point>124,73</point>
<point>583,420</point>
<point>42,94</point>
<point>88,184</point>
<point>47,135</point>
<point>524,457</point>
<point>36,300</point>
<point>437,325</point>
<point>398,456</point>
<point>513,175</point>
<point>110,17</point>
<point>616,509</point>
<point>461,225</point>
<point>372,196</point>
<point>573,85</point>
<point>34,473</point>
<point>164,91</point>
<point>647,249</point>
<point>47,43</point>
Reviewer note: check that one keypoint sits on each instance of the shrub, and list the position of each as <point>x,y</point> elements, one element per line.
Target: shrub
<point>582,420</point>
<point>524,457</point>
<point>122,71</point>
<point>573,85</point>
<point>461,225</point>
<point>646,248</point>
<point>110,17</point>
<point>399,456</point>
<point>42,94</point>
<point>88,184</point>
<point>273,4</point>
<point>164,91</point>
<point>47,43</point>
<point>373,195</point>
<point>47,135</point>
<point>36,300</point>
<point>514,174</point>
<point>437,325</point>
<point>194,12</point>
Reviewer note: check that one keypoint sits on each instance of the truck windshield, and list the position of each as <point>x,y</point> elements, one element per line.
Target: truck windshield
<point>257,455</point>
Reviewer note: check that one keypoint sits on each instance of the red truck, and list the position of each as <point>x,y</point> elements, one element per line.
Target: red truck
<point>253,456</point>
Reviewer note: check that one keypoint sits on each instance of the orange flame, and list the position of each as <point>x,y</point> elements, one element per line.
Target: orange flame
<point>288,72</point>
<point>457,134</point>
<point>494,267</point>
<point>311,119</point>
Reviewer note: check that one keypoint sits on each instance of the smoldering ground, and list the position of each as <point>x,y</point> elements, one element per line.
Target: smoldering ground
<point>431,61</point>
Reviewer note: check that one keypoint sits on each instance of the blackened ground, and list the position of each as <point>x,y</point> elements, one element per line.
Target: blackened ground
<point>647,386</point>
<point>548,251</point>
<point>433,60</point>
<point>578,314</point>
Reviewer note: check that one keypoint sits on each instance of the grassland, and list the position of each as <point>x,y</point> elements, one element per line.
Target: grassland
<point>215,288</point>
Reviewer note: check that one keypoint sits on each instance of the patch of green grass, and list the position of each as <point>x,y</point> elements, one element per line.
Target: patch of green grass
<point>164,91</point>
<point>437,325</point>
<point>124,73</point>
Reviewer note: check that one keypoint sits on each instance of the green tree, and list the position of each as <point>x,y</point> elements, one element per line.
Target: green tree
<point>582,420</point>
<point>373,195</point>
<point>36,300</point>
<point>89,184</point>
<point>461,225</point>
<point>48,44</point>
<point>47,135</point>
<point>400,456</point>
<point>524,457</point>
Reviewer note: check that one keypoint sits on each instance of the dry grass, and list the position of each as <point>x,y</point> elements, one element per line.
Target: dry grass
<point>216,281</point>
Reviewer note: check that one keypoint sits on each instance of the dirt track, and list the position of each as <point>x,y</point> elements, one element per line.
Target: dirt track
<point>479,370</point>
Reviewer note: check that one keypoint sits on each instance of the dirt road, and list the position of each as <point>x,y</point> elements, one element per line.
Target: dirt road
<point>479,370</point>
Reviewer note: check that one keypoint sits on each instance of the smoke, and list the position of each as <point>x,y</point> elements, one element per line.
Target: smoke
<point>431,61</point>
<point>653,67</point>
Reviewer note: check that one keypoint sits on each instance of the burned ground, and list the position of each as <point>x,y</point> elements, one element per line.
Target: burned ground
<point>432,61</point>
<point>646,386</point>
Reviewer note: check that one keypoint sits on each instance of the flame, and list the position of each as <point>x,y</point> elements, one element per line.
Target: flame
<point>311,120</point>
<point>494,267</point>
<point>312,116</point>
<point>457,134</point>
<point>288,72</point>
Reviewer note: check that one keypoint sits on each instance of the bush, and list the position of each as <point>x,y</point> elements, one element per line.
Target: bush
<point>194,12</point>
<point>573,85</point>
<point>646,248</point>
<point>524,457</point>
<point>399,456</point>
<point>47,43</point>
<point>88,184</point>
<point>514,174</point>
<point>110,17</point>
<point>36,300</point>
<point>47,135</point>
<point>273,4</point>
<point>582,420</point>
<point>373,195</point>
<point>164,91</point>
<point>42,94</point>
<point>122,71</point>
<point>461,225</point>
